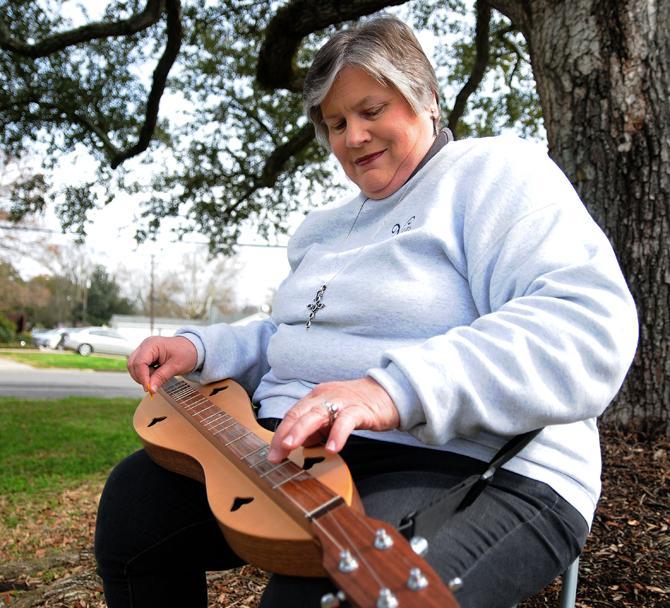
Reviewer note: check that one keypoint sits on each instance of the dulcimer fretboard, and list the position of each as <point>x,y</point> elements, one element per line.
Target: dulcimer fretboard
<point>308,497</point>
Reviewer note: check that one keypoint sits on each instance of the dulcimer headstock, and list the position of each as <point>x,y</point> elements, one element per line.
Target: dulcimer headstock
<point>374,565</point>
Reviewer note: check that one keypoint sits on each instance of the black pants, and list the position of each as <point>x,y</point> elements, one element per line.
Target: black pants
<point>156,537</point>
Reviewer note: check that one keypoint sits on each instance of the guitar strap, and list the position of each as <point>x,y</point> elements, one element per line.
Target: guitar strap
<point>425,522</point>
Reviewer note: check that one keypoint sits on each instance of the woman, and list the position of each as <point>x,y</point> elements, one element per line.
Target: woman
<point>463,297</point>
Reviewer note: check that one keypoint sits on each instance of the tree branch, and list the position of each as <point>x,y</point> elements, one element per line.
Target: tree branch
<point>174,37</point>
<point>72,116</point>
<point>518,12</point>
<point>510,45</point>
<point>273,166</point>
<point>147,17</point>
<point>57,42</point>
<point>238,159</point>
<point>276,67</point>
<point>482,45</point>
<point>282,154</point>
<point>243,107</point>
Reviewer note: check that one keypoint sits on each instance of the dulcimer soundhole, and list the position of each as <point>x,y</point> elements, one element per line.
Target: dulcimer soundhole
<point>299,517</point>
<point>257,528</point>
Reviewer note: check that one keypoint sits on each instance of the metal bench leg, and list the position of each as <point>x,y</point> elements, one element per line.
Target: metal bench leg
<point>568,594</point>
<point>569,588</point>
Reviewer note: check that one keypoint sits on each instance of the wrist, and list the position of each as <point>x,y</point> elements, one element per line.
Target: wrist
<point>384,402</point>
<point>191,354</point>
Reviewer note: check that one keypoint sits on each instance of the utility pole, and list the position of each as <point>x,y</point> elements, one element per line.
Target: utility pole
<point>84,302</point>
<point>151,298</point>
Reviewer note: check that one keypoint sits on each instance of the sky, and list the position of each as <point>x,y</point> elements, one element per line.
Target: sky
<point>110,240</point>
<point>110,232</point>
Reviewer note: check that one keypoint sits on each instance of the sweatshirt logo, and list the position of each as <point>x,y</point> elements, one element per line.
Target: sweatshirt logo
<point>397,229</point>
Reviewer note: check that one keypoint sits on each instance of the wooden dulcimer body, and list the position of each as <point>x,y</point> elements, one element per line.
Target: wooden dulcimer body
<point>258,528</point>
<point>300,517</point>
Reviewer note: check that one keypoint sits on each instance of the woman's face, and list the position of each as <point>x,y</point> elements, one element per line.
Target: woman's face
<point>374,133</point>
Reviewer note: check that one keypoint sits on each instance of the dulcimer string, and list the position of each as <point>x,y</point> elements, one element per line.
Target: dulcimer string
<point>353,544</point>
<point>218,422</point>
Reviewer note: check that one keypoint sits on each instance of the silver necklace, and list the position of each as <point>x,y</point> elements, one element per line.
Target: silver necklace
<point>317,302</point>
<point>442,139</point>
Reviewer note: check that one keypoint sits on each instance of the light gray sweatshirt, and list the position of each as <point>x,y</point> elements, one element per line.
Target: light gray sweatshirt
<point>481,296</point>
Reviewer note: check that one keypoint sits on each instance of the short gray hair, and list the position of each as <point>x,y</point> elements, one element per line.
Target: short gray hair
<point>385,48</point>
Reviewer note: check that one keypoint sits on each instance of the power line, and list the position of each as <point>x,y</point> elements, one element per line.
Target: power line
<point>185,242</point>
<point>29,229</point>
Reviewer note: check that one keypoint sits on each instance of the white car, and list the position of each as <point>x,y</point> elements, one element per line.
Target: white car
<point>87,340</point>
<point>49,338</point>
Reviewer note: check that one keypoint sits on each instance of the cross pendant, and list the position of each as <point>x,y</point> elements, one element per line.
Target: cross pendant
<point>315,306</point>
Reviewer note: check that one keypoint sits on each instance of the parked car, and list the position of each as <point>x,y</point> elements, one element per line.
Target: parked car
<point>49,338</point>
<point>87,340</point>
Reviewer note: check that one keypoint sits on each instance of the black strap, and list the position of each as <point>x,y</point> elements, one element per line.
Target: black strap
<point>426,521</point>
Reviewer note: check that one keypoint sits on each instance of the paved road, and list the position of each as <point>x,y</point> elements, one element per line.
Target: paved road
<point>18,380</point>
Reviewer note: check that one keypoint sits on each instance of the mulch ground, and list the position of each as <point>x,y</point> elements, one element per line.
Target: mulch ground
<point>47,562</point>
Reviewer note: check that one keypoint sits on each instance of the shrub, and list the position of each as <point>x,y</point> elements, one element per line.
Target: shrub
<point>25,338</point>
<point>7,330</point>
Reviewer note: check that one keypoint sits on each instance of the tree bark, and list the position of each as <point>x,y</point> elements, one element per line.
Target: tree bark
<point>603,74</point>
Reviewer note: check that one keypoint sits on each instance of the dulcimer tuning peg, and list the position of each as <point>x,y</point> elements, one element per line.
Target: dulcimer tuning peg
<point>419,545</point>
<point>332,600</point>
<point>455,584</point>
<point>417,580</point>
<point>387,599</point>
<point>382,539</point>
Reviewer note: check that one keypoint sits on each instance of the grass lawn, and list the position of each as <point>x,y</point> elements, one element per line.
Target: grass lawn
<point>68,360</point>
<point>51,445</point>
<point>53,452</point>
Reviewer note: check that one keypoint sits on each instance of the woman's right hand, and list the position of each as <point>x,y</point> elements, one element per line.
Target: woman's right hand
<point>157,359</point>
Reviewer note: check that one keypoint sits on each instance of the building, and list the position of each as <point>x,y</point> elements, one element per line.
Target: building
<point>136,328</point>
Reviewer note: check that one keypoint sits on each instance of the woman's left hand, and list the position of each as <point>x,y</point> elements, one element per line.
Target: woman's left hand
<point>360,404</point>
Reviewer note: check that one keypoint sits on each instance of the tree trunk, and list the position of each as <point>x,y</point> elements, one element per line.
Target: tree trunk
<point>603,74</point>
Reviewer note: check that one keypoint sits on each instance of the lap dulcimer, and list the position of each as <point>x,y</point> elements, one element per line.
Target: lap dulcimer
<point>300,517</point>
